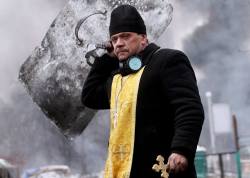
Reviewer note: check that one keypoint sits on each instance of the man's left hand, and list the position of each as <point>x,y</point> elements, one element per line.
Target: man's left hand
<point>177,163</point>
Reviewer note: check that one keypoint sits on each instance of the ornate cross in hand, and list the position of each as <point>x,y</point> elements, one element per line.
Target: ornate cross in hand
<point>161,167</point>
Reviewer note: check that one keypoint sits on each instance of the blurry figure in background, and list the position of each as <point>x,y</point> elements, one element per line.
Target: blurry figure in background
<point>153,99</point>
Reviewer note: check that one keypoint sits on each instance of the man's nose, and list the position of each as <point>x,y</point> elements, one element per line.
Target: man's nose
<point>120,42</point>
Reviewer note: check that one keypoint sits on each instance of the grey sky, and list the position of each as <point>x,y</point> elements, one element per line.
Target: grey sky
<point>23,25</point>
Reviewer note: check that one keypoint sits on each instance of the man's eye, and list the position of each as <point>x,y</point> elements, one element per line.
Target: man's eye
<point>113,40</point>
<point>125,36</point>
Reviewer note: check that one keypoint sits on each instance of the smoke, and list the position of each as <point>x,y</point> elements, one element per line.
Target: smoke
<point>23,25</point>
<point>28,139</point>
<point>215,36</point>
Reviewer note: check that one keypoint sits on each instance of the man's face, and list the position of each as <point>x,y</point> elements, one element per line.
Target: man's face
<point>127,44</point>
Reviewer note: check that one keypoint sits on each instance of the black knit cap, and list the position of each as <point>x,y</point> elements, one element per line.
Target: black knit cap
<point>126,18</point>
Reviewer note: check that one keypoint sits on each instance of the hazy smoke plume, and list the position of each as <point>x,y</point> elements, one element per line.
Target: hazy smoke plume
<point>222,54</point>
<point>217,41</point>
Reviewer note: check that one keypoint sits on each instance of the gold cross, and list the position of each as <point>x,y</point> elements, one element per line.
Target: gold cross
<point>121,150</point>
<point>161,167</point>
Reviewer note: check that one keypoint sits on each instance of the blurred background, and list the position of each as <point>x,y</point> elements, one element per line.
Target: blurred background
<point>214,35</point>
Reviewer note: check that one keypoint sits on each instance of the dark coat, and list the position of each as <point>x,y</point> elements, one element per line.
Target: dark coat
<point>169,113</point>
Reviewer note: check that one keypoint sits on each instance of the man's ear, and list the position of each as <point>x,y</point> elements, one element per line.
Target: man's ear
<point>144,39</point>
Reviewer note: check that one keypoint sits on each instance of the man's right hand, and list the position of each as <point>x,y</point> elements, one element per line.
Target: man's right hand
<point>177,163</point>
<point>110,49</point>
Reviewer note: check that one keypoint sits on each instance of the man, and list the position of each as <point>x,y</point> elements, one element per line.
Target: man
<point>153,98</point>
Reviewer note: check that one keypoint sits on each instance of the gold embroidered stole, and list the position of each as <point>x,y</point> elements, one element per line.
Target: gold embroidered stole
<point>122,129</point>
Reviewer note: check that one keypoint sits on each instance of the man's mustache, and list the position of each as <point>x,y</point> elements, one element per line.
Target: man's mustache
<point>121,50</point>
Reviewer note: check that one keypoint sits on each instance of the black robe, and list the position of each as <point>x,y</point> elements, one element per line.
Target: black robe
<point>169,113</point>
